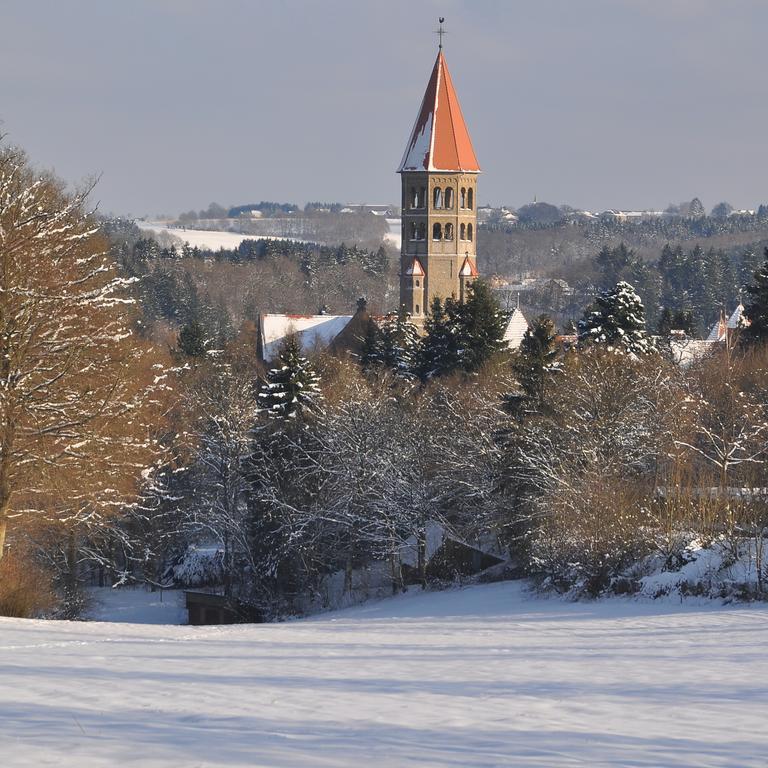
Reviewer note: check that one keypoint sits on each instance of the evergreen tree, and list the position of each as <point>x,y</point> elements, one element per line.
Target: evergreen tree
<point>462,335</point>
<point>666,323</point>
<point>756,307</point>
<point>679,320</point>
<point>481,325</point>
<point>191,339</point>
<point>536,358</point>
<point>613,264</point>
<point>438,353</point>
<point>292,388</point>
<point>371,352</point>
<point>749,263</point>
<point>696,209</point>
<point>616,319</point>
<point>399,341</point>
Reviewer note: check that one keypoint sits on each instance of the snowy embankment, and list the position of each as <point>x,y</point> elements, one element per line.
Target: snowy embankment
<point>478,677</point>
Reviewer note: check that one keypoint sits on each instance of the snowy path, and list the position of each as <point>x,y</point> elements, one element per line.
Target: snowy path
<point>478,677</point>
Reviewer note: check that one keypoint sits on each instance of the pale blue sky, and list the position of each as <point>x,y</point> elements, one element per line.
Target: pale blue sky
<point>596,103</point>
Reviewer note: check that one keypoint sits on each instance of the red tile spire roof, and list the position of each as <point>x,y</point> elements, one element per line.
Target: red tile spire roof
<point>440,139</point>
<point>416,268</point>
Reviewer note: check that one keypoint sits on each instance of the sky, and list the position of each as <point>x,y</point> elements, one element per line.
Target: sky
<point>599,104</point>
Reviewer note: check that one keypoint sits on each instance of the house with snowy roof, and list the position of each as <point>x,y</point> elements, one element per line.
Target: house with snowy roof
<point>517,326</point>
<point>686,351</point>
<point>314,332</point>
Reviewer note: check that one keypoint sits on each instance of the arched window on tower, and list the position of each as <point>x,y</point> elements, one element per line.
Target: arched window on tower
<point>449,231</point>
<point>417,284</point>
<point>418,311</point>
<point>437,231</point>
<point>422,196</point>
<point>437,197</point>
<point>449,197</point>
<point>469,232</point>
<point>414,231</point>
<point>470,198</point>
<point>422,231</point>
<point>463,198</point>
<point>414,198</point>
<point>463,232</point>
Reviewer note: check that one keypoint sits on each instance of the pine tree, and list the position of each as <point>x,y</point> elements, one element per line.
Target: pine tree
<point>438,353</point>
<point>536,358</point>
<point>191,339</point>
<point>481,326</point>
<point>462,335</point>
<point>399,341</point>
<point>617,320</point>
<point>696,209</point>
<point>756,308</point>
<point>370,352</point>
<point>292,388</point>
<point>749,262</point>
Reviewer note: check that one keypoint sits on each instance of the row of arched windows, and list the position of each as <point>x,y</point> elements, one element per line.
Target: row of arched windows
<point>418,231</point>
<point>442,198</point>
<point>445,232</point>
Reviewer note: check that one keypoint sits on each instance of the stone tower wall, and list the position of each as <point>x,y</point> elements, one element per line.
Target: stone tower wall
<point>441,258</point>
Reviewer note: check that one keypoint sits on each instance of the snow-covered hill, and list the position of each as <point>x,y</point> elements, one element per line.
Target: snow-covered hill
<point>484,676</point>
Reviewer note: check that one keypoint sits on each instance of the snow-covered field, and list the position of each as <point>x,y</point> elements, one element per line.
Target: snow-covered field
<point>203,238</point>
<point>478,677</point>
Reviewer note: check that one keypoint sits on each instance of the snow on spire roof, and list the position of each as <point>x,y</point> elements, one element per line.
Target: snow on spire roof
<point>440,139</point>
<point>415,269</point>
<point>468,269</point>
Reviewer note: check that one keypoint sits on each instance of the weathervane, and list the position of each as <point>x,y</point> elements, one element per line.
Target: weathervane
<point>440,32</point>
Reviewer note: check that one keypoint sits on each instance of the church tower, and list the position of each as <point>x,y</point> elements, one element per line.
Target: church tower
<point>439,192</point>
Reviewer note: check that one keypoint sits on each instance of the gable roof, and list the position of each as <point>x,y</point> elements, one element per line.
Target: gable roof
<point>516,328</point>
<point>439,140</point>
<point>468,268</point>
<point>311,330</point>
<point>722,326</point>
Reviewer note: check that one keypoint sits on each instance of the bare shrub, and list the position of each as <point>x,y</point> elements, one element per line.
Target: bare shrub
<point>26,590</point>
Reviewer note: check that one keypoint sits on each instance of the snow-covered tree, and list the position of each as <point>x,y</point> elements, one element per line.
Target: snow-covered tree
<point>80,393</point>
<point>399,340</point>
<point>291,388</point>
<point>222,404</point>
<point>616,320</point>
<point>756,308</point>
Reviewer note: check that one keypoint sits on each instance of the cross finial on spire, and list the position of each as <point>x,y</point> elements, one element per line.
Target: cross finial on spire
<point>440,32</point>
